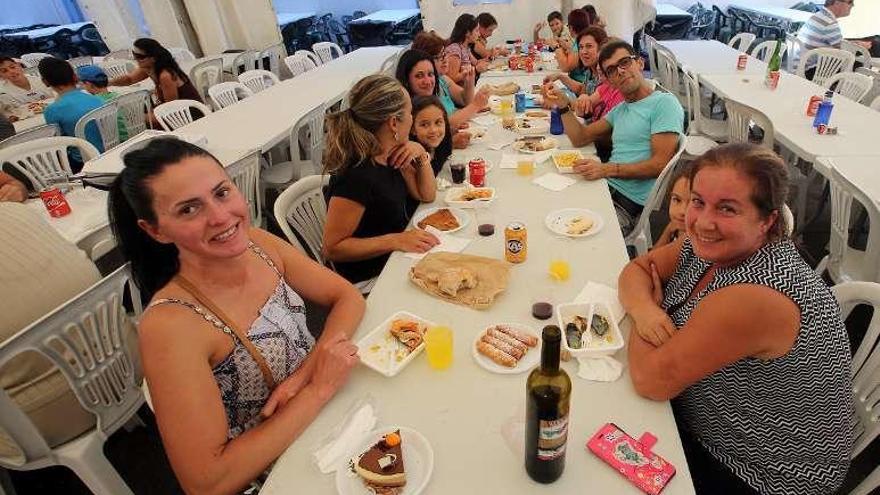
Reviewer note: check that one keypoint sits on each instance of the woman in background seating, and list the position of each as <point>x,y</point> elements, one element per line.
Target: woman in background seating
<point>374,168</point>
<point>743,336</point>
<point>458,53</point>
<point>480,48</point>
<point>157,63</point>
<point>567,56</point>
<point>234,373</point>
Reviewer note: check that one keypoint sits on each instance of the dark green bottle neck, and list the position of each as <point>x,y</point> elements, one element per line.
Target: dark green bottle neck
<point>550,357</point>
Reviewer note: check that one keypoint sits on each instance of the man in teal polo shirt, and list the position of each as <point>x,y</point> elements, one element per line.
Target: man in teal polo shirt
<point>645,132</point>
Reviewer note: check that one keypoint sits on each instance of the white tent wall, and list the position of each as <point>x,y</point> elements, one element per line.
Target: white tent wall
<point>115,21</point>
<point>233,24</point>
<point>169,24</point>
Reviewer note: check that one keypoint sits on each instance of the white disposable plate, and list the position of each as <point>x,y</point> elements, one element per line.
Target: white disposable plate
<point>453,193</point>
<point>460,215</point>
<point>382,351</point>
<point>537,126</point>
<point>558,221</point>
<point>565,170</point>
<point>520,146</point>
<point>526,363</point>
<point>594,347</point>
<point>473,130</point>
<point>418,461</point>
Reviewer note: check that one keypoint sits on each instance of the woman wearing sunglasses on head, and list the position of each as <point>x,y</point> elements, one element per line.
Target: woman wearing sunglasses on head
<point>157,63</point>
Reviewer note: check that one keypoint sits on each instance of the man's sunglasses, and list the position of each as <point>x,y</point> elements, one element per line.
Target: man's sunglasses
<point>624,63</point>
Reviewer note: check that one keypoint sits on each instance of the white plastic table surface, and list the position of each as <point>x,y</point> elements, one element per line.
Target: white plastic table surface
<point>671,10</point>
<point>474,419</point>
<point>285,18</point>
<point>711,57</point>
<point>88,214</point>
<point>793,16</point>
<point>266,118</point>
<point>393,16</point>
<point>49,31</point>
<point>863,171</point>
<point>786,108</point>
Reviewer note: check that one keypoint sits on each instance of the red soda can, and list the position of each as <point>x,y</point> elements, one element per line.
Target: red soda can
<point>477,172</point>
<point>530,64</point>
<point>813,105</point>
<point>741,61</point>
<point>54,200</point>
<point>511,62</point>
<point>773,79</point>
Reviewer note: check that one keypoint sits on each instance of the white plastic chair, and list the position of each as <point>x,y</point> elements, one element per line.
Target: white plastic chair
<point>77,62</point>
<point>327,50</point>
<point>795,48</point>
<point>865,361</point>
<point>389,66</point>
<point>843,262</point>
<point>124,54</point>
<point>243,62</point>
<point>105,117</point>
<point>311,125</point>
<point>703,132</point>
<point>869,484</point>
<point>133,107</point>
<point>33,59</point>
<point>117,68</point>
<point>177,113</point>
<point>299,63</point>
<point>270,58</point>
<point>763,51</point>
<point>44,161</point>
<point>245,173</point>
<point>258,79</point>
<point>862,54</point>
<point>311,55</point>
<point>206,74</point>
<point>740,117</point>
<point>301,208</point>
<point>228,93</point>
<point>829,61</point>
<point>876,104</point>
<point>742,42</point>
<point>850,84</point>
<point>181,54</point>
<point>667,74</point>
<point>31,134</point>
<point>651,47</point>
<point>87,339</point>
<point>640,236</point>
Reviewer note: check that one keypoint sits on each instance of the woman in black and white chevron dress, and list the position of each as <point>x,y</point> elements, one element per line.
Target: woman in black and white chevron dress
<point>745,338</point>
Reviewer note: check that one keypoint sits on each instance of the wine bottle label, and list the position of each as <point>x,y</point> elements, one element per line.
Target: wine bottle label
<point>552,436</point>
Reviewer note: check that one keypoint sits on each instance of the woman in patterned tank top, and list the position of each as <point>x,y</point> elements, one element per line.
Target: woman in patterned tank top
<point>181,222</point>
<point>747,341</point>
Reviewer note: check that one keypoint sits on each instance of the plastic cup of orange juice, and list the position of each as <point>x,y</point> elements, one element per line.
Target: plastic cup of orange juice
<point>438,345</point>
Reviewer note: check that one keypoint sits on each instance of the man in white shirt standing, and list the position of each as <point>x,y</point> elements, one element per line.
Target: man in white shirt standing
<point>19,91</point>
<point>823,30</point>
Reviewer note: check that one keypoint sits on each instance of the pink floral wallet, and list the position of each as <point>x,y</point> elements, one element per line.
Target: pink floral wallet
<point>632,458</point>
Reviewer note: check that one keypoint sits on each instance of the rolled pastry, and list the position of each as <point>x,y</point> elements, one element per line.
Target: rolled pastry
<point>507,348</point>
<point>529,340</point>
<point>496,354</point>
<point>507,339</point>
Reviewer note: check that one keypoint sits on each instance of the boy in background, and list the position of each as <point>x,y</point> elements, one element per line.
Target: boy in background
<point>95,81</point>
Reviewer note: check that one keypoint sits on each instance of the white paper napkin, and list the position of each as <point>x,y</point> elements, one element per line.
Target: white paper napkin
<point>502,141</point>
<point>553,181</point>
<point>448,243</point>
<point>332,455</point>
<point>485,120</point>
<point>596,292</point>
<point>600,369</point>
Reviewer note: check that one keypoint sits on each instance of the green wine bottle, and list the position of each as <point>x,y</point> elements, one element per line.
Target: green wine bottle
<point>548,390</point>
<point>773,67</point>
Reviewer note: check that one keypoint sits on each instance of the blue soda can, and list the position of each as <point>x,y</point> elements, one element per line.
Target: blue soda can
<point>520,102</point>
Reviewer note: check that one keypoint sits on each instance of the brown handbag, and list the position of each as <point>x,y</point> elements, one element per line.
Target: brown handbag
<point>241,336</point>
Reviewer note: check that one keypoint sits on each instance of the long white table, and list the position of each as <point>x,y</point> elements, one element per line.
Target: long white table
<point>285,18</point>
<point>861,170</point>
<point>791,16</point>
<point>711,57</point>
<point>671,10</point>
<point>472,418</point>
<point>265,119</point>
<point>393,16</point>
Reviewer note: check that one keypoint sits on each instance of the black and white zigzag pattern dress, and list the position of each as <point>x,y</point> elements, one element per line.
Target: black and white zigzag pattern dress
<point>784,425</point>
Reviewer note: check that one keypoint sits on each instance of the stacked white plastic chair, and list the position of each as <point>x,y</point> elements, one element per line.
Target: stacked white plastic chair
<point>228,93</point>
<point>33,59</point>
<point>258,79</point>
<point>311,55</point>
<point>270,58</point>
<point>299,64</point>
<point>327,50</point>
<point>205,74</point>
<point>178,113</point>
<point>117,67</point>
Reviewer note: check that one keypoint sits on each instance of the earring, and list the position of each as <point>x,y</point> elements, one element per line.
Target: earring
<point>396,138</point>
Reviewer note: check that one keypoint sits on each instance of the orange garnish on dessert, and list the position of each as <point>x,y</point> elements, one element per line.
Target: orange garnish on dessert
<point>392,439</point>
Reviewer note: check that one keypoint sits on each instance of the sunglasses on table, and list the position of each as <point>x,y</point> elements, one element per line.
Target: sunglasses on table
<point>624,63</point>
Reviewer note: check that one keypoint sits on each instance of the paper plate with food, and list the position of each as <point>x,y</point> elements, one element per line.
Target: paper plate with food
<point>574,222</point>
<point>470,197</point>
<point>395,460</point>
<point>441,218</point>
<point>507,348</point>
<point>504,89</point>
<point>394,343</point>
<point>529,125</point>
<point>537,114</point>
<point>564,160</point>
<point>534,144</point>
<point>478,134</point>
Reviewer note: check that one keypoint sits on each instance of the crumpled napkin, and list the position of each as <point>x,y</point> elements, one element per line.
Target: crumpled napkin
<point>351,430</point>
<point>596,292</point>
<point>553,181</point>
<point>599,369</point>
<point>448,243</point>
<point>485,120</point>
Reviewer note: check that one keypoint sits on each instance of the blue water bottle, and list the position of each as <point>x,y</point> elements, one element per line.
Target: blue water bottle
<point>520,102</point>
<point>556,127</point>
<point>823,113</point>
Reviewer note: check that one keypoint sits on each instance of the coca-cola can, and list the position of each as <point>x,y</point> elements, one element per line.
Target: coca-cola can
<point>54,200</point>
<point>773,79</point>
<point>530,64</point>
<point>742,61</point>
<point>477,172</point>
<point>813,105</point>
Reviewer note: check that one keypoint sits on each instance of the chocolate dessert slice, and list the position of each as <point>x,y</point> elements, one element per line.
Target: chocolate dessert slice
<point>382,464</point>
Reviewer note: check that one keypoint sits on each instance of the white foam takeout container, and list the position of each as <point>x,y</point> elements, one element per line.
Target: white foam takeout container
<point>379,349</point>
<point>564,312</point>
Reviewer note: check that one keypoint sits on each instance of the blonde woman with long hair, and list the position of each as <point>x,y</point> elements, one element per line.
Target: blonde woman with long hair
<point>374,168</point>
